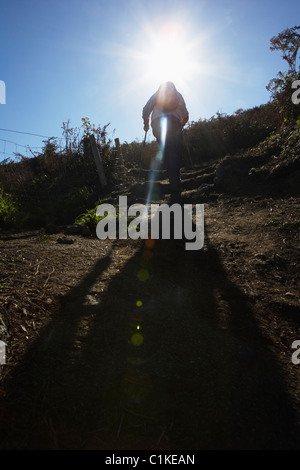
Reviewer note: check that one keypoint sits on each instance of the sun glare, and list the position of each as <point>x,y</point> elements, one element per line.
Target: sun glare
<point>168,56</point>
<point>160,52</point>
<point>167,62</point>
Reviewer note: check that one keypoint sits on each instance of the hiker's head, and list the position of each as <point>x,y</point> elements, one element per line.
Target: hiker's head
<point>167,97</point>
<point>167,87</point>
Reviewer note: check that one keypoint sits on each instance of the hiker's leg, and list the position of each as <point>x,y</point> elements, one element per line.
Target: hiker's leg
<point>158,161</point>
<point>155,124</point>
<point>174,137</point>
<point>174,162</point>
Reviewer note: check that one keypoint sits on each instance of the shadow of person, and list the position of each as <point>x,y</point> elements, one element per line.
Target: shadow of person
<point>170,358</point>
<point>227,388</point>
<point>47,384</point>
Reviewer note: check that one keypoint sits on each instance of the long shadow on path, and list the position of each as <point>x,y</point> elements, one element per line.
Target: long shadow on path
<point>171,358</point>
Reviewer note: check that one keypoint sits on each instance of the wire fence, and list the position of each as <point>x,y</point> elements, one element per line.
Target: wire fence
<point>59,180</point>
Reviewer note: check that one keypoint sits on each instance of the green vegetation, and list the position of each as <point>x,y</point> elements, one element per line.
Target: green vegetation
<point>9,209</point>
<point>90,219</point>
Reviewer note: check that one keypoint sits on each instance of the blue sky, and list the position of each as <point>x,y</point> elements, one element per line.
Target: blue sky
<point>67,59</point>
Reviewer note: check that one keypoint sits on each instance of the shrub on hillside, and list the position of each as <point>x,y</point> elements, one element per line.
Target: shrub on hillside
<point>212,139</point>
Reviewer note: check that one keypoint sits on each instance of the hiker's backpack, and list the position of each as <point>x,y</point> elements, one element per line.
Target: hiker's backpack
<point>167,99</point>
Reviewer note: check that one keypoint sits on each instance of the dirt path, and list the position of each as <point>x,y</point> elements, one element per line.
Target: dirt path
<point>120,345</point>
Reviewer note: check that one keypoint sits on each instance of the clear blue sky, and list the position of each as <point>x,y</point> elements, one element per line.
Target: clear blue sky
<point>67,59</point>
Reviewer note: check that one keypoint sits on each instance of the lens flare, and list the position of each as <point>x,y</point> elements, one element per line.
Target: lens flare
<point>143,274</point>
<point>163,125</point>
<point>149,243</point>
<point>147,254</point>
<point>137,339</point>
<point>157,162</point>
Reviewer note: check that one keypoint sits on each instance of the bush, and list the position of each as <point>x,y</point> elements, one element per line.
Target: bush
<point>9,209</point>
<point>55,185</point>
<point>223,134</point>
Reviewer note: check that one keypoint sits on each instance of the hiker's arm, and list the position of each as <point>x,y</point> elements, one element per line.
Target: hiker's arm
<point>147,110</point>
<point>184,112</point>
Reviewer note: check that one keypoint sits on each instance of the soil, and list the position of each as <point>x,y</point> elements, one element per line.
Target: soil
<point>127,344</point>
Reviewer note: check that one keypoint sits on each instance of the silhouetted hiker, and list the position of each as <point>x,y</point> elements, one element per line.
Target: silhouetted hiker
<point>168,116</point>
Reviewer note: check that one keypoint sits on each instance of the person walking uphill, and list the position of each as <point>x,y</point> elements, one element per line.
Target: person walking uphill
<point>168,117</point>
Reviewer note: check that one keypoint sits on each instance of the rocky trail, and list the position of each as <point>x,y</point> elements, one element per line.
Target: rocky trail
<point>140,344</point>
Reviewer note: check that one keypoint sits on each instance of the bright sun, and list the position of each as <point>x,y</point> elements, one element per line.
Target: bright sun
<point>167,61</point>
<point>168,55</point>
<point>161,52</point>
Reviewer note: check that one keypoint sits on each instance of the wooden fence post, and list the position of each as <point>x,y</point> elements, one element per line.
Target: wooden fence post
<point>98,161</point>
<point>117,142</point>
